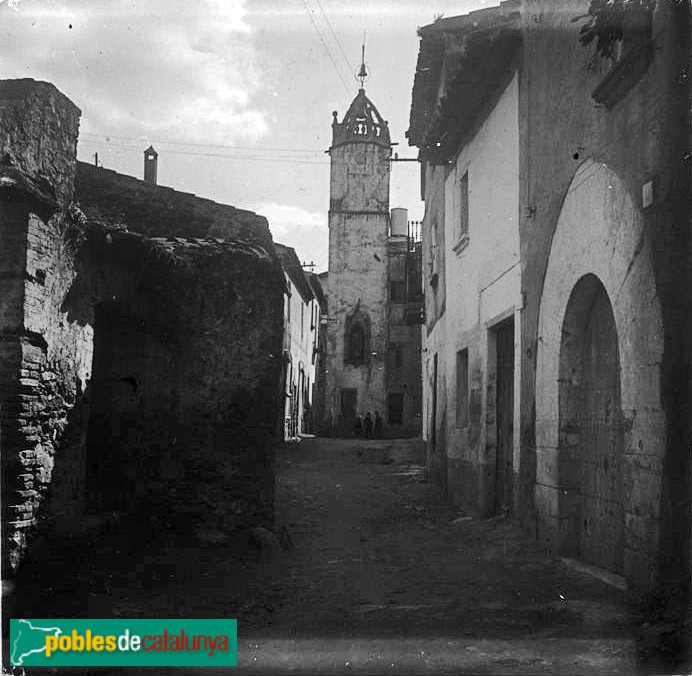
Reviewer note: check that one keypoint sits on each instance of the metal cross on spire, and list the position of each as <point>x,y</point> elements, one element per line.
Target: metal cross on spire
<point>362,71</point>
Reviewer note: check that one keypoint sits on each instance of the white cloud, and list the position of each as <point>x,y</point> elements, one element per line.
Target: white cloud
<point>305,231</point>
<point>11,3</point>
<point>177,69</point>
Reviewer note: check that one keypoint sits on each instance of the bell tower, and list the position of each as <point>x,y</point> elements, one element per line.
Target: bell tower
<point>358,232</point>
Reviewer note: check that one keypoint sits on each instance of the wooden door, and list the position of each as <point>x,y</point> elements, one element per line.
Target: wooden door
<point>504,419</point>
<point>602,513</point>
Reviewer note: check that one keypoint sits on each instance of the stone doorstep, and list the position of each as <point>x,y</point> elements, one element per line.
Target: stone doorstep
<point>613,579</point>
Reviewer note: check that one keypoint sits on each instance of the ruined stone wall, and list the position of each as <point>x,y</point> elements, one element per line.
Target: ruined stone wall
<point>56,366</point>
<point>185,387</point>
<point>158,211</point>
<point>136,374</point>
<point>46,355</point>
<point>641,137</point>
<point>229,372</point>
<point>39,134</point>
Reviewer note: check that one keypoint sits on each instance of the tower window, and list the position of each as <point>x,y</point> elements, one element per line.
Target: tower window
<point>357,343</point>
<point>357,338</point>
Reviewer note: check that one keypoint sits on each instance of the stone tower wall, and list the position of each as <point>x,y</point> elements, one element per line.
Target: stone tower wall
<point>358,277</point>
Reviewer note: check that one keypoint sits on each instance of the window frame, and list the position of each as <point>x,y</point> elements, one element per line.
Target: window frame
<point>462,388</point>
<point>461,211</point>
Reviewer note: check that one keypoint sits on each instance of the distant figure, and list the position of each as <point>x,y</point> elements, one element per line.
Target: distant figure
<point>358,427</point>
<point>367,423</point>
<point>378,425</point>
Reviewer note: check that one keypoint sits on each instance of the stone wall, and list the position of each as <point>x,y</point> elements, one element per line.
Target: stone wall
<point>45,355</point>
<point>137,373</point>
<point>358,275</point>
<point>582,204</point>
<point>158,211</point>
<point>199,393</point>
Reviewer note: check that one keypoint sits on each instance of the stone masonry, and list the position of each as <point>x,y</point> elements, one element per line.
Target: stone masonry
<point>140,341</point>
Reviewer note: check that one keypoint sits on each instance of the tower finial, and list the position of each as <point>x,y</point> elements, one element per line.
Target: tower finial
<point>362,71</point>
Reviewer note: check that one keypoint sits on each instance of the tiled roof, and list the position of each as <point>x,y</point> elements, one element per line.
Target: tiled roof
<point>462,61</point>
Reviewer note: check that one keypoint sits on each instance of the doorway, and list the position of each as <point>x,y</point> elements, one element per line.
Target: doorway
<point>503,354</point>
<point>349,403</point>
<point>591,430</point>
<point>114,436</point>
<point>395,408</point>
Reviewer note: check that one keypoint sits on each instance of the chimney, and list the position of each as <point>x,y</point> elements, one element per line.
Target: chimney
<point>151,159</point>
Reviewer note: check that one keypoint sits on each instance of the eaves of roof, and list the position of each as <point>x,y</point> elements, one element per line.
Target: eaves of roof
<point>292,267</point>
<point>462,64</point>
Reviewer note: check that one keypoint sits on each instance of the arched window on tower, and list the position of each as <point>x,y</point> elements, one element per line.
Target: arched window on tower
<point>356,340</point>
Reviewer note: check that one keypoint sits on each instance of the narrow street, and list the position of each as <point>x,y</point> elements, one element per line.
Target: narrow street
<point>383,577</point>
<point>377,575</point>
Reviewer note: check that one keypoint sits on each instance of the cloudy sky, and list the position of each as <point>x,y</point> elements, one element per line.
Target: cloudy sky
<point>236,95</point>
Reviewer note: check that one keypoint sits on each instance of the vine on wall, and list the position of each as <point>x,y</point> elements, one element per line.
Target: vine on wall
<point>608,22</point>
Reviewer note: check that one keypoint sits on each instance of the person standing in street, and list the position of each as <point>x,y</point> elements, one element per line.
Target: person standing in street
<point>358,428</point>
<point>378,425</point>
<point>368,425</point>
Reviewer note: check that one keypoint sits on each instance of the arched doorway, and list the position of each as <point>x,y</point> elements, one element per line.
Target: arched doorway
<point>591,439</point>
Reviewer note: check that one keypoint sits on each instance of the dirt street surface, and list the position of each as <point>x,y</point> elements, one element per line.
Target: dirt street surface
<point>385,578</point>
<point>376,575</point>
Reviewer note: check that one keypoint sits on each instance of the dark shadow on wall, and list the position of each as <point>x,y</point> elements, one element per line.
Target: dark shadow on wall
<point>132,410</point>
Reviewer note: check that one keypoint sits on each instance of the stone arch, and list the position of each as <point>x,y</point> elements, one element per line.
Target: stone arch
<point>600,249</point>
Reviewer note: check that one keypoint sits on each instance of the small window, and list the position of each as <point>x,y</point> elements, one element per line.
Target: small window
<point>395,412</point>
<point>462,388</point>
<point>464,206</point>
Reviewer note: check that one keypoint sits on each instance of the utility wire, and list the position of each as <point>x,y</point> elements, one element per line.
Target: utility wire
<point>105,137</point>
<point>326,48</point>
<point>197,153</point>
<point>336,38</point>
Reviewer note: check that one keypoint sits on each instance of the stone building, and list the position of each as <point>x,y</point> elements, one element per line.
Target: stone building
<point>301,331</point>
<point>373,344</point>
<point>557,278</point>
<point>140,342</point>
